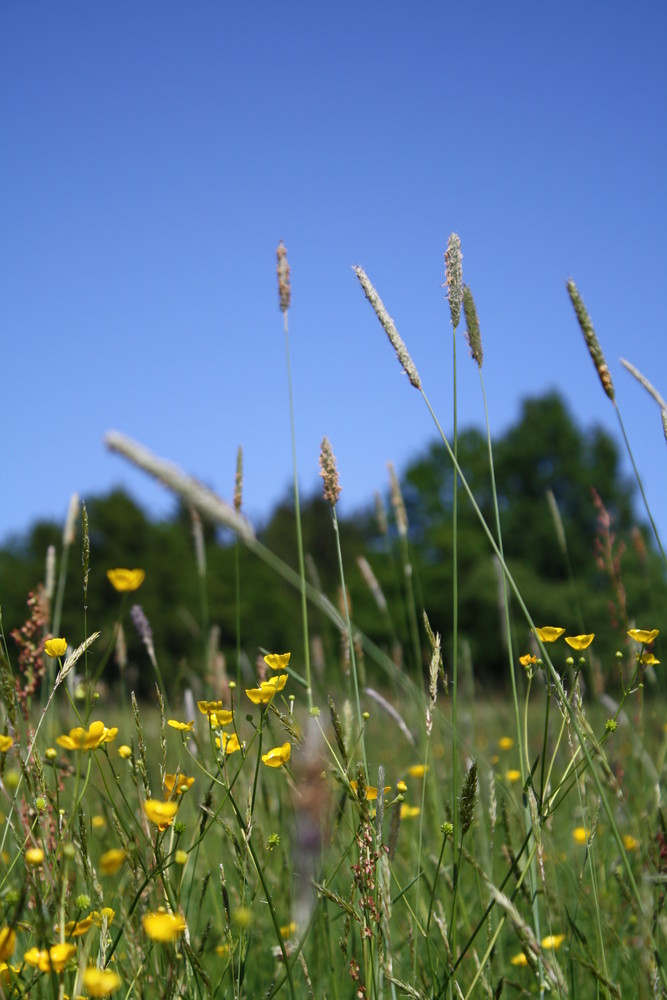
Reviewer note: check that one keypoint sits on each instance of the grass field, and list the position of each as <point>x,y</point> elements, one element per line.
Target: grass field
<point>299,837</point>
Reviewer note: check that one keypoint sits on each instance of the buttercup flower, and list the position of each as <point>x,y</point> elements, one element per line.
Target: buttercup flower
<point>277,756</point>
<point>106,913</point>
<point>76,928</point>
<point>579,642</point>
<point>53,960</point>
<point>505,743</point>
<point>183,727</point>
<point>513,775</point>
<point>228,744</point>
<point>549,633</point>
<point>277,661</point>
<point>526,661</point>
<point>371,790</point>
<point>519,959</point>
<point>5,743</point>
<point>163,926</point>
<point>409,812</point>
<point>649,660</point>
<point>7,943</point>
<point>88,739</point>
<point>553,941</point>
<point>126,580</point>
<point>55,647</point>
<point>100,982</point>
<point>125,751</point>
<point>401,786</point>
<point>34,856</point>
<point>417,770</point>
<point>630,843</point>
<point>644,635</point>
<point>160,813</point>
<point>98,822</point>
<point>183,784</point>
<point>220,719</point>
<point>580,835</point>
<point>112,861</point>
<point>266,690</point>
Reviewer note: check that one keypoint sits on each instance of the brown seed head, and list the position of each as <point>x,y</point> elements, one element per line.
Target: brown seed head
<point>591,339</point>
<point>284,287</point>
<point>473,335</point>
<point>454,277</point>
<point>329,473</point>
<point>238,481</point>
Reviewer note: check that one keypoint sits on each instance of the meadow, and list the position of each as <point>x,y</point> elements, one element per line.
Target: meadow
<point>378,828</point>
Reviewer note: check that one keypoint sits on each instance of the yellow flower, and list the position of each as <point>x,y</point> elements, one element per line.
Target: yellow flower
<point>220,719</point>
<point>553,941</point>
<point>100,982</point>
<point>513,775</point>
<point>125,580</point>
<point>181,857</point>
<point>505,743</point>
<point>580,835</point>
<point>98,822</point>
<point>579,642</point>
<point>371,791</point>
<point>87,739</point>
<point>184,727</point>
<point>277,756</point>
<point>649,660</point>
<point>409,812</point>
<point>7,943</point>
<point>124,751</point>
<point>526,661</point>
<point>53,960</point>
<point>643,635</point>
<point>230,744</point>
<point>163,926</point>
<point>106,913</point>
<point>401,786</point>
<point>76,928</point>
<point>290,928</point>
<point>549,633</point>
<point>34,856</point>
<point>630,843</point>
<point>277,661</point>
<point>418,770</point>
<point>519,959</point>
<point>266,690</point>
<point>55,647</point>
<point>160,813</point>
<point>112,861</point>
<point>183,784</point>
<point>222,950</point>
<point>5,743</point>
<point>208,707</point>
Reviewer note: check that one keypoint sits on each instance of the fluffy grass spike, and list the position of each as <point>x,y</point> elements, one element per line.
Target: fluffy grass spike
<point>591,339</point>
<point>389,328</point>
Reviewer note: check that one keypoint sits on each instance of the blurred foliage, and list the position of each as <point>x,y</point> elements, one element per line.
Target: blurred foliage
<point>544,451</point>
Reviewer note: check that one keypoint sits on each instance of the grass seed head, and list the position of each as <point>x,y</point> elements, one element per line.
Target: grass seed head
<point>473,335</point>
<point>591,339</point>
<point>454,277</point>
<point>329,473</point>
<point>389,328</point>
<point>284,286</point>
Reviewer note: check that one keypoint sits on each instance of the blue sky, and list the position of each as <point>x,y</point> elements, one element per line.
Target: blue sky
<point>155,153</point>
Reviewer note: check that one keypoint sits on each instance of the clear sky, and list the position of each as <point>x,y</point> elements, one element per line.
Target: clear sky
<point>154,153</point>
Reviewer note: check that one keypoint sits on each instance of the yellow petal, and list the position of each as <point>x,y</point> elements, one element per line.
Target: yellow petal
<point>549,633</point>
<point>5,743</point>
<point>579,641</point>
<point>126,580</point>
<point>160,813</point>
<point>277,661</point>
<point>112,861</point>
<point>644,635</point>
<point>100,982</point>
<point>184,727</point>
<point>277,756</point>
<point>55,647</point>
<point>163,926</point>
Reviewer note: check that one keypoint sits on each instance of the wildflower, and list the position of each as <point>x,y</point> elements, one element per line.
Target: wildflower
<point>5,743</point>
<point>288,929</point>
<point>126,580</point>
<point>52,960</point>
<point>277,661</point>
<point>644,635</point>
<point>106,913</point>
<point>181,857</point>
<point>266,690</point>
<point>183,727</point>
<point>7,943</point>
<point>55,647</point>
<point>553,941</point>
<point>34,856</point>
<point>549,633</point>
<point>125,751</point>
<point>277,756</point>
<point>409,812</point>
<point>183,784</point>
<point>630,843</point>
<point>417,770</point>
<point>100,982</point>
<point>228,744</point>
<point>579,642</point>
<point>580,835</point>
<point>519,959</point>
<point>87,739</point>
<point>505,743</point>
<point>163,926</point>
<point>371,791</point>
<point>526,661</point>
<point>112,861</point>
<point>513,775</point>
<point>401,787</point>
<point>649,660</point>
<point>222,950</point>
<point>220,719</point>
<point>77,928</point>
<point>98,822</point>
<point>160,813</point>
